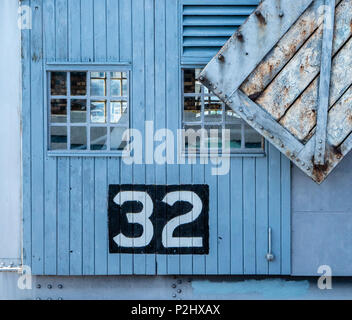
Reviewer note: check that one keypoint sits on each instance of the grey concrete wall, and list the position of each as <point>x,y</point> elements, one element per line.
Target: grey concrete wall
<point>322,221</point>
<point>10,142</point>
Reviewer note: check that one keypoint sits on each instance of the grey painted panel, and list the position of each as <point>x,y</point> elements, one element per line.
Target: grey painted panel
<point>322,222</point>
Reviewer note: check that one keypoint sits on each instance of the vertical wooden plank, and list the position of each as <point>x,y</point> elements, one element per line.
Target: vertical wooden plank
<point>261,205</point>
<point>113,23</point>
<point>172,103</point>
<point>324,82</point>
<point>74,16</point>
<point>101,193</point>
<point>37,137</point>
<point>126,260</point>
<point>113,178</point>
<point>26,144</point>
<point>100,218</point>
<point>186,261</point>
<point>113,54</point>
<point>63,219</point>
<point>285,215</point>
<point>236,198</point>
<point>63,259</point>
<point>88,217</point>
<point>149,100</point>
<point>76,216</point>
<point>198,260</point>
<point>211,260</point>
<point>125,9</point>
<point>138,91</point>
<point>50,245</point>
<point>275,207</point>
<point>87,55</point>
<point>224,231</point>
<point>249,215</point>
<point>160,100</point>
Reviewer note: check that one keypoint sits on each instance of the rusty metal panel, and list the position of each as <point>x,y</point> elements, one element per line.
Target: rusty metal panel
<point>279,94</point>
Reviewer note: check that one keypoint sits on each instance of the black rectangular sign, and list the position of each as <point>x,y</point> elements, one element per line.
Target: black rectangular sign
<point>159,219</point>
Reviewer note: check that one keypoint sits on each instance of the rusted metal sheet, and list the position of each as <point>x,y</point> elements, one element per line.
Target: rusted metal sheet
<point>279,94</point>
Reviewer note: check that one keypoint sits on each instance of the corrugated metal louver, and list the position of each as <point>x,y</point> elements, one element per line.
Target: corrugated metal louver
<point>206,26</point>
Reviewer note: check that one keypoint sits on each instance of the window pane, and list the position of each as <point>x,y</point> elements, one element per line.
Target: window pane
<point>116,88</point>
<point>190,83</point>
<point>58,111</point>
<point>58,83</point>
<point>98,84</point>
<point>117,141</point>
<point>252,138</point>
<point>235,135</point>
<point>192,137</point>
<point>58,138</point>
<point>78,83</point>
<point>78,138</point>
<point>98,112</point>
<point>231,115</point>
<point>78,111</point>
<point>119,112</point>
<point>192,109</point>
<point>98,138</point>
<point>212,109</point>
<point>213,138</point>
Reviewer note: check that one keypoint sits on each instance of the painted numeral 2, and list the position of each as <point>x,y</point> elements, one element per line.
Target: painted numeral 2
<point>159,219</point>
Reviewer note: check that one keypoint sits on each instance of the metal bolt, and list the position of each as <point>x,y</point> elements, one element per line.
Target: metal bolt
<point>221,57</point>
<point>179,291</point>
<point>239,36</point>
<point>50,286</point>
<point>282,146</point>
<point>271,136</point>
<point>308,169</point>
<point>261,127</point>
<point>220,92</point>
<point>60,286</point>
<point>241,109</point>
<point>281,14</point>
<point>38,286</point>
<point>174,285</point>
<point>320,141</point>
<point>303,164</point>
<point>174,295</point>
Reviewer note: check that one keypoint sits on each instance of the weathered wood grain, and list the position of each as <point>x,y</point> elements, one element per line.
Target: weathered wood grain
<point>300,119</point>
<point>304,66</point>
<point>324,82</point>
<point>340,119</point>
<point>278,57</point>
<point>259,34</point>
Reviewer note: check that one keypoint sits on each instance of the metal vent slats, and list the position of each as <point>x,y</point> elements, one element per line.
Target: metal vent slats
<point>207,27</point>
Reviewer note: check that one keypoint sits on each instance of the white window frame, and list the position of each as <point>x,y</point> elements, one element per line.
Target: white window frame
<point>233,151</point>
<point>58,67</point>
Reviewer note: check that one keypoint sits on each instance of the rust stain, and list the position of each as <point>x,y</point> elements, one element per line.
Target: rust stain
<point>260,17</point>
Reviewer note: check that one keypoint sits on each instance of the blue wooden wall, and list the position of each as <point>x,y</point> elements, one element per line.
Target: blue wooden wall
<point>65,198</point>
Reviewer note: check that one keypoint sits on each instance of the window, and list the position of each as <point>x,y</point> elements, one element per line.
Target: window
<point>88,111</point>
<point>203,112</point>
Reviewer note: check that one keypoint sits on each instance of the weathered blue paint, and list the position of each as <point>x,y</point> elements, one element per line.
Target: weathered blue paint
<point>265,289</point>
<point>65,198</point>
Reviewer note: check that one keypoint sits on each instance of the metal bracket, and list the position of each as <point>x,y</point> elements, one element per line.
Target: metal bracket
<point>324,83</point>
<point>269,256</point>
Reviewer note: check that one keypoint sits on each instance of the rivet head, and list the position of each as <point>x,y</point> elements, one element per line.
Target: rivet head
<point>174,295</point>
<point>281,14</point>
<point>60,286</point>
<point>173,285</point>
<point>38,286</point>
<point>179,291</point>
<point>201,78</point>
<point>241,109</point>
<point>50,286</point>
